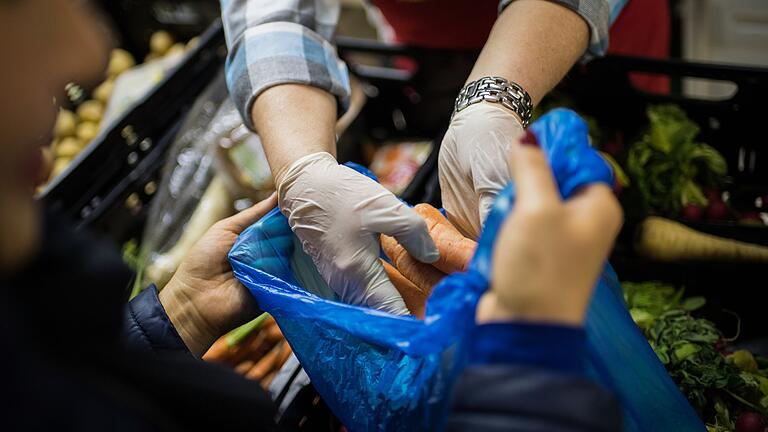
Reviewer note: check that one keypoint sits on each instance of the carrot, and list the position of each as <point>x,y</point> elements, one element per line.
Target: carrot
<point>666,240</point>
<point>422,275</point>
<point>267,380</point>
<point>414,297</point>
<point>455,250</point>
<point>243,367</point>
<point>273,333</point>
<point>265,364</point>
<point>284,355</point>
<point>218,352</point>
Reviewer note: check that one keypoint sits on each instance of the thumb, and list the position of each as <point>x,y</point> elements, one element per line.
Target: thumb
<point>382,295</point>
<point>486,203</point>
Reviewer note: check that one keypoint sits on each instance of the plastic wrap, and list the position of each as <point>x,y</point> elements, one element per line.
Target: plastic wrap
<point>191,197</point>
<point>380,372</point>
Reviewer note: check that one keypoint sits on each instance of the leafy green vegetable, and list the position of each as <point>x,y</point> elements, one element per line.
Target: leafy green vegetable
<point>719,387</point>
<point>668,168</point>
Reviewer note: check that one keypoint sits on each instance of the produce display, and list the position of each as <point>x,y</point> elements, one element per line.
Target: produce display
<point>728,388</point>
<point>256,350</point>
<point>671,171</point>
<point>75,128</point>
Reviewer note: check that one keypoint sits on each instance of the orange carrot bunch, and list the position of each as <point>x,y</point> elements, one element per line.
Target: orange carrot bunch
<point>256,350</point>
<point>414,279</point>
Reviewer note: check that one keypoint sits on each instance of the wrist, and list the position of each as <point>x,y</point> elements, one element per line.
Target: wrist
<point>291,171</point>
<point>493,308</point>
<point>197,332</point>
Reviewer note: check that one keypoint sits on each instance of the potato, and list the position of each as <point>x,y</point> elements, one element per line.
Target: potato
<point>119,61</point>
<point>192,43</point>
<point>65,124</point>
<point>160,42</point>
<point>59,165</point>
<point>90,111</point>
<point>176,49</point>
<point>104,91</point>
<point>68,147</point>
<point>87,131</point>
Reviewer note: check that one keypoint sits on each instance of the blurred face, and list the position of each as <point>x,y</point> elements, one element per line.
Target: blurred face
<point>44,44</point>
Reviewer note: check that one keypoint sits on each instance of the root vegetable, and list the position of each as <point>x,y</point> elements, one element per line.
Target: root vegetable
<point>691,212</point>
<point>666,240</point>
<point>215,204</point>
<point>192,43</point>
<point>68,148</point>
<point>87,131</point>
<point>455,250</point>
<point>66,121</point>
<point>90,111</point>
<point>265,364</point>
<point>424,276</point>
<point>120,61</point>
<point>176,49</point>
<point>160,42</point>
<point>103,92</point>
<point>59,165</point>
<point>414,297</point>
<point>243,367</point>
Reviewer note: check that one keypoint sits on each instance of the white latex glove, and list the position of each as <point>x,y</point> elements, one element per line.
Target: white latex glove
<point>473,163</point>
<point>338,214</point>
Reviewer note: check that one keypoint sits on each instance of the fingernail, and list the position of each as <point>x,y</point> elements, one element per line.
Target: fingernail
<point>529,139</point>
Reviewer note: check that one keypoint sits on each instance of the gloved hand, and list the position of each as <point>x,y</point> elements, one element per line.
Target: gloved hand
<point>338,214</point>
<point>473,163</point>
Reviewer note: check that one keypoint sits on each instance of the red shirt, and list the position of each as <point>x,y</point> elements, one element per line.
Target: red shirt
<point>642,28</point>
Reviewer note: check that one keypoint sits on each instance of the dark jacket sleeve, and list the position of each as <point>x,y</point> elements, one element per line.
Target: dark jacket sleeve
<point>530,377</point>
<point>147,327</point>
<point>518,398</point>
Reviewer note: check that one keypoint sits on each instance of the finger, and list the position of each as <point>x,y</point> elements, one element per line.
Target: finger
<point>596,208</point>
<point>382,295</point>
<point>249,216</point>
<point>360,279</point>
<point>397,220</point>
<point>531,174</point>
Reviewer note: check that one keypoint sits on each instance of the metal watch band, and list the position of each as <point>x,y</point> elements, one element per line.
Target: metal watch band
<point>498,90</point>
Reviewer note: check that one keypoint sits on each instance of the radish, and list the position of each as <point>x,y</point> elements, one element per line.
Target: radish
<point>717,210</point>
<point>691,212</point>
<point>751,422</point>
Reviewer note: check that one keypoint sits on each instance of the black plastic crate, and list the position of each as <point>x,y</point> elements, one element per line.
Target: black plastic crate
<point>109,183</point>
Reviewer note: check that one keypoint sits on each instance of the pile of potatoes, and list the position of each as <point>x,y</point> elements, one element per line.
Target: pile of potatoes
<point>73,131</point>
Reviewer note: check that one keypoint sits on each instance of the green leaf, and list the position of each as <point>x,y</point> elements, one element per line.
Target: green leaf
<point>692,303</point>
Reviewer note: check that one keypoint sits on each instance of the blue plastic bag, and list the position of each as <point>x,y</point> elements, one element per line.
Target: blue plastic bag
<point>380,372</point>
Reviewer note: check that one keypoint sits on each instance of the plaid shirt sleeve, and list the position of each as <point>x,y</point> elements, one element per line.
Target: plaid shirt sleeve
<point>599,15</point>
<point>275,42</point>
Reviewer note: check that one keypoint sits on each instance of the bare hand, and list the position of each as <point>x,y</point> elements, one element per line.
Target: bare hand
<point>549,252</point>
<point>203,299</point>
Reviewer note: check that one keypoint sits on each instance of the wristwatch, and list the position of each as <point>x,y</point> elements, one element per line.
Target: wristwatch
<point>497,90</point>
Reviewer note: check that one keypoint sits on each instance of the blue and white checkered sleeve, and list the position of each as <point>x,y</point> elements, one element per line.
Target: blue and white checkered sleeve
<point>599,15</point>
<point>275,42</point>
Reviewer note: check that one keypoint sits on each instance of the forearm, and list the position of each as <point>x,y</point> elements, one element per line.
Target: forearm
<point>294,120</point>
<point>533,43</point>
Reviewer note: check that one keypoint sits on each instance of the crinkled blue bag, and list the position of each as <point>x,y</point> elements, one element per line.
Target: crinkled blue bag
<point>380,372</point>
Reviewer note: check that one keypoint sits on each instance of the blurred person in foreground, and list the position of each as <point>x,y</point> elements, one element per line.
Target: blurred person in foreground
<point>76,357</point>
